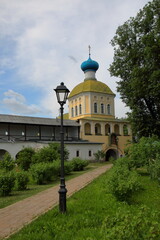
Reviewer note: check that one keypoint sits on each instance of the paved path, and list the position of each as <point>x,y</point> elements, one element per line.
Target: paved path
<point>15,216</point>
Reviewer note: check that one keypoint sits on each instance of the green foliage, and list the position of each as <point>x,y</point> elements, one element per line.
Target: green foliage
<point>68,167</point>
<point>22,180</point>
<point>99,155</point>
<point>7,163</point>
<point>93,214</point>
<point>143,152</point>
<point>123,162</point>
<point>57,147</point>
<point>24,158</point>
<point>7,181</point>
<point>44,155</point>
<point>136,62</point>
<point>154,168</point>
<point>79,164</point>
<point>125,225</point>
<point>112,160</point>
<point>44,172</point>
<point>122,182</point>
<point>49,153</point>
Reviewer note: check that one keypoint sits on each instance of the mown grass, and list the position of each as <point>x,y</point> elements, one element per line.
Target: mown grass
<point>89,213</point>
<point>33,189</point>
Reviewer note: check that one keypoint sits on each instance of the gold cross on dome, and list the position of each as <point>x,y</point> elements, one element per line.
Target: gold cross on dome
<point>89,50</point>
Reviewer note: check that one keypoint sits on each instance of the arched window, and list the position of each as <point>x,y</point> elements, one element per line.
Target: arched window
<point>87,129</point>
<point>76,110</point>
<point>97,129</point>
<point>72,112</point>
<point>116,129</point>
<point>102,108</point>
<point>80,109</point>
<point>125,130</point>
<point>109,109</point>
<point>95,107</point>
<point>107,129</point>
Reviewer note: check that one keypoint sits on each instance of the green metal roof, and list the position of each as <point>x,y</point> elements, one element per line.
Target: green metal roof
<point>91,85</point>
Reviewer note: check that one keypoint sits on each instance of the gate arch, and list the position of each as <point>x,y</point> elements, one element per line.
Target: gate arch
<point>2,152</point>
<point>111,153</point>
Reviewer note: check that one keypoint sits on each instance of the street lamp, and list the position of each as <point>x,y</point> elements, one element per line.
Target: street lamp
<point>62,94</point>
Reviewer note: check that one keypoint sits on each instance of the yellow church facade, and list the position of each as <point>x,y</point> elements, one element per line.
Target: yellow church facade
<point>92,104</point>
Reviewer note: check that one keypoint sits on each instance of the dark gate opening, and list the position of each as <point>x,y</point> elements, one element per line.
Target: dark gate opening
<point>111,154</point>
<point>2,152</point>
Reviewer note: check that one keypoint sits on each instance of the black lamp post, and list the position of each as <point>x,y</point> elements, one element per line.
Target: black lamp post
<point>62,94</point>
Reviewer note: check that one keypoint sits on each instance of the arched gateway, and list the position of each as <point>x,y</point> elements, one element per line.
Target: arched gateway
<point>111,153</point>
<point>2,152</point>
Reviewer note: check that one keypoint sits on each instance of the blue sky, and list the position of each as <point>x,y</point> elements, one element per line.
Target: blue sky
<point>43,43</point>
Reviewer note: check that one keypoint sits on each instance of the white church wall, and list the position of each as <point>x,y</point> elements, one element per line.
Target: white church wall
<point>84,151</point>
<point>15,147</point>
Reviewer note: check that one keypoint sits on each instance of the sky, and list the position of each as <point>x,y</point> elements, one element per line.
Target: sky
<point>43,43</point>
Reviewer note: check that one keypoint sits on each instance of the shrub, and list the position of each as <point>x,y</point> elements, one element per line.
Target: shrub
<point>44,172</point>
<point>57,147</point>
<point>154,168</point>
<point>22,180</point>
<point>141,153</point>
<point>7,163</point>
<point>49,153</point>
<point>127,225</point>
<point>7,182</point>
<point>24,158</point>
<point>122,182</point>
<point>79,164</point>
<point>44,155</point>
<point>99,155</point>
<point>68,167</point>
<point>123,161</point>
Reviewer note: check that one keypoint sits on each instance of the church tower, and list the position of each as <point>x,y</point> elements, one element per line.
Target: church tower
<point>91,103</point>
<point>91,98</point>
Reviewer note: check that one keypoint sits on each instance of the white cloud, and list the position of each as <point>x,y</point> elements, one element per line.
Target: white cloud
<point>16,103</point>
<point>46,36</point>
<point>120,108</point>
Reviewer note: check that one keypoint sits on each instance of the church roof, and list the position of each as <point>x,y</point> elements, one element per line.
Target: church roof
<point>4,118</point>
<point>90,86</point>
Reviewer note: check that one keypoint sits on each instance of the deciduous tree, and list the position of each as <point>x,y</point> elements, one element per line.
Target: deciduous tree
<point>137,63</point>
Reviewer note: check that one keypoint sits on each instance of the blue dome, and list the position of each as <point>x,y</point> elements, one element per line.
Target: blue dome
<point>89,65</point>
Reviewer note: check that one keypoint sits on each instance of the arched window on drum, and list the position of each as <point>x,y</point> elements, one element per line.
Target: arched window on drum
<point>95,108</point>
<point>80,108</point>
<point>108,109</point>
<point>102,108</point>
<point>72,112</point>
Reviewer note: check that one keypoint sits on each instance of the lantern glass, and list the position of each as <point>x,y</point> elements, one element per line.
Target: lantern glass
<point>62,93</point>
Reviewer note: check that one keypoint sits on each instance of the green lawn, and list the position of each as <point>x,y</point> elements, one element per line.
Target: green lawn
<point>94,214</point>
<point>34,189</point>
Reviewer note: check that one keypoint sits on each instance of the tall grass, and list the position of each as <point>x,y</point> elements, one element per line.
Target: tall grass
<point>94,214</point>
